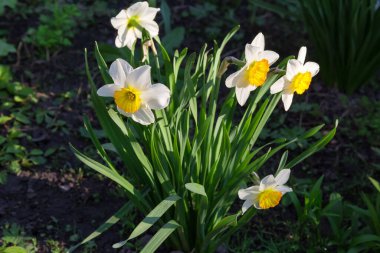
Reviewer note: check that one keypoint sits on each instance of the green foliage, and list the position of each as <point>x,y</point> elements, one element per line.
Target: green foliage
<point>15,241</point>
<point>55,29</point>
<point>193,151</point>
<point>345,35</point>
<point>6,48</point>
<point>7,3</point>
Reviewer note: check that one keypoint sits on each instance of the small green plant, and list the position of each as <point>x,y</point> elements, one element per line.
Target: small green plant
<point>55,29</point>
<point>346,36</point>
<point>15,241</point>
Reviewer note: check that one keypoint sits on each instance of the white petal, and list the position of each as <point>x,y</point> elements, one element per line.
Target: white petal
<point>302,55</point>
<point>251,53</point>
<point>151,26</point>
<point>122,14</point>
<point>247,204</point>
<point>139,78</point>
<point>284,189</point>
<point>256,204</point>
<point>271,56</point>
<point>137,33</point>
<point>236,79</point>
<point>293,68</point>
<point>108,90</point>
<point>282,177</point>
<point>118,22</point>
<point>249,192</point>
<point>128,38</point>
<point>242,94</point>
<point>117,71</point>
<point>150,13</point>
<point>278,86</point>
<point>123,112</point>
<point>259,41</point>
<point>312,67</point>
<point>137,9</point>
<point>287,100</point>
<point>266,182</point>
<point>122,31</point>
<point>144,116</point>
<point>156,97</point>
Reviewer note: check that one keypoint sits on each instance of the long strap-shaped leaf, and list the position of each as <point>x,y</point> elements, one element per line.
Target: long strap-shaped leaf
<point>106,225</point>
<point>160,237</point>
<point>150,219</point>
<point>131,191</point>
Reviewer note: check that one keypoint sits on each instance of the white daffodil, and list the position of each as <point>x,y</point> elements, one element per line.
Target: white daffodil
<point>134,93</point>
<point>254,73</point>
<point>297,78</point>
<point>268,194</point>
<point>129,23</point>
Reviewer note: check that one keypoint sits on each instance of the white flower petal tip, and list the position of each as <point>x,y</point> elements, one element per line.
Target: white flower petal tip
<point>283,176</point>
<point>259,41</point>
<point>133,92</point>
<point>132,21</point>
<point>268,194</point>
<point>302,55</point>
<point>287,99</point>
<point>108,90</point>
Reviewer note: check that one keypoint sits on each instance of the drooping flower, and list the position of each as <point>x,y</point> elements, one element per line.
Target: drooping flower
<point>133,92</point>
<point>297,78</point>
<point>268,194</point>
<point>129,23</point>
<point>255,71</point>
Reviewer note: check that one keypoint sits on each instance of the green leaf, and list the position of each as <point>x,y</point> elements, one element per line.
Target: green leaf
<point>150,219</point>
<point>36,152</point>
<point>160,236</point>
<point>131,191</point>
<point>123,211</point>
<point>174,38</point>
<point>6,48</point>
<point>4,119</point>
<point>21,118</point>
<point>166,16</point>
<point>14,249</point>
<point>375,183</point>
<point>196,188</point>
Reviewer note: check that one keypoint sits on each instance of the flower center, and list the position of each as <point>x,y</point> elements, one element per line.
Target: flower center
<point>128,99</point>
<point>301,82</point>
<point>133,21</point>
<point>269,198</point>
<point>257,72</point>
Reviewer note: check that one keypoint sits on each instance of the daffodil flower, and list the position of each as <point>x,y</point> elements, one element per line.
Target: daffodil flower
<point>129,23</point>
<point>268,194</point>
<point>297,78</point>
<point>254,73</point>
<point>133,92</point>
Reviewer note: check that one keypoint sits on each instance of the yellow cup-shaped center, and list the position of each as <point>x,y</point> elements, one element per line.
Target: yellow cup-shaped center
<point>128,99</point>
<point>301,82</point>
<point>269,198</point>
<point>257,72</point>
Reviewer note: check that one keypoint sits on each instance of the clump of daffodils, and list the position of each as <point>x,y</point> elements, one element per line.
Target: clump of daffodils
<point>183,159</point>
